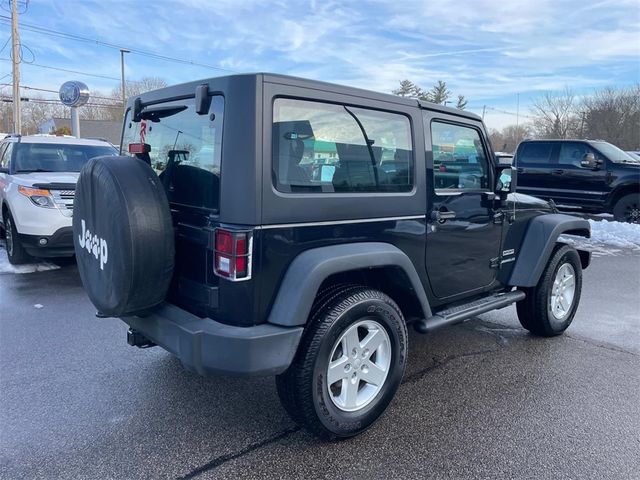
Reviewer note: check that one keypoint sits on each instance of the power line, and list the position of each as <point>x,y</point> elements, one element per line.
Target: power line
<point>80,38</point>
<point>73,71</point>
<point>55,91</point>
<point>47,101</point>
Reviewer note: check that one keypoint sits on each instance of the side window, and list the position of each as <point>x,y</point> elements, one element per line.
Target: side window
<point>572,153</point>
<point>535,153</point>
<point>5,155</point>
<point>321,147</point>
<point>459,159</point>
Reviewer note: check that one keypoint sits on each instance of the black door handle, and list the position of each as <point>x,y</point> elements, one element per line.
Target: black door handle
<point>520,169</point>
<point>442,215</point>
<point>557,172</point>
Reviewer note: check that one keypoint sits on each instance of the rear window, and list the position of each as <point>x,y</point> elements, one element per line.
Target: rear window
<point>535,152</point>
<point>185,149</point>
<point>55,157</point>
<point>329,148</point>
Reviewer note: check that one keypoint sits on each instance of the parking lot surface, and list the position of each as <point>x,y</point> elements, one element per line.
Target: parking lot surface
<point>480,400</point>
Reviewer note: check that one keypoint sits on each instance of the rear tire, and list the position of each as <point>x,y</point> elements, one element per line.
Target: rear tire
<point>627,209</point>
<point>334,347</point>
<point>16,253</point>
<point>550,306</point>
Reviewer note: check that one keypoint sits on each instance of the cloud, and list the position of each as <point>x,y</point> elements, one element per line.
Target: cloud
<point>488,50</point>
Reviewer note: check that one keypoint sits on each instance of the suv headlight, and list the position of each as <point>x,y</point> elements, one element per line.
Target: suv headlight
<point>38,196</point>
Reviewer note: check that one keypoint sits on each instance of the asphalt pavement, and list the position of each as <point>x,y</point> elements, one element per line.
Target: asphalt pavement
<point>480,400</point>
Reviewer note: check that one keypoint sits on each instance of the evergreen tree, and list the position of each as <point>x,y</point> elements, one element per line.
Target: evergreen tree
<point>462,102</point>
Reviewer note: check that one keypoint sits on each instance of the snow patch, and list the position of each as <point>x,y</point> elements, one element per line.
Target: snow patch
<point>6,267</point>
<point>605,235</point>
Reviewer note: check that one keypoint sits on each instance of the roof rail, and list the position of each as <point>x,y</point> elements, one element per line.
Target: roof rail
<point>13,135</point>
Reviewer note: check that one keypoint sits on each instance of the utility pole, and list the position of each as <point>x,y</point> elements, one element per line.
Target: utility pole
<point>15,38</point>
<point>124,99</point>
<point>518,114</point>
<point>484,108</point>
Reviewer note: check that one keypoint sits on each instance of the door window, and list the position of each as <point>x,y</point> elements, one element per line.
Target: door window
<point>572,153</point>
<point>459,159</point>
<point>535,153</point>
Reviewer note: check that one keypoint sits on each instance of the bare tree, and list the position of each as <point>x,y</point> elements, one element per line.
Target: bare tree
<point>613,115</point>
<point>555,115</point>
<point>138,87</point>
<point>507,139</point>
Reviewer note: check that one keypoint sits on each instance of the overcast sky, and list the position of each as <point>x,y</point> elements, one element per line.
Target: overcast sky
<point>488,50</point>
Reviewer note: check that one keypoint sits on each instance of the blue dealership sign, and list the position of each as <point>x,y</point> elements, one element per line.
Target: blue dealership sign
<point>74,93</point>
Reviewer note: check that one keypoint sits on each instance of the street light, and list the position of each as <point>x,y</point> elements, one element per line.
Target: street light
<point>122,52</point>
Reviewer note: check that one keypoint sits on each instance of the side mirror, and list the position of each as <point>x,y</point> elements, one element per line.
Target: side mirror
<point>506,179</point>
<point>590,161</point>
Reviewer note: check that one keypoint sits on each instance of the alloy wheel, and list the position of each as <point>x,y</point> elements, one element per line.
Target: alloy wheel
<point>358,366</point>
<point>562,292</point>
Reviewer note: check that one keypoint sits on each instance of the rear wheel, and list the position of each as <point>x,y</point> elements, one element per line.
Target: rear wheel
<point>550,306</point>
<point>627,209</point>
<point>348,366</point>
<point>16,253</point>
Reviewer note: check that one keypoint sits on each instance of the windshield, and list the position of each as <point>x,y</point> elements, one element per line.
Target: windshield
<point>184,149</point>
<point>56,157</point>
<point>613,153</point>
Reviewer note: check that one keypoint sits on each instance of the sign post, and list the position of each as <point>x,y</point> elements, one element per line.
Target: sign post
<point>74,94</point>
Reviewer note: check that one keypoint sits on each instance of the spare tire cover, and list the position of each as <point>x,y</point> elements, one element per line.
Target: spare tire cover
<point>123,235</point>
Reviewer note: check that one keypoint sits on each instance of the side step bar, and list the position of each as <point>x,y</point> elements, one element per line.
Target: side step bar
<point>462,312</point>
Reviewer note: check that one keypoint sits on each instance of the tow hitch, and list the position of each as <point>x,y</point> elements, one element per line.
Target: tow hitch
<point>136,339</point>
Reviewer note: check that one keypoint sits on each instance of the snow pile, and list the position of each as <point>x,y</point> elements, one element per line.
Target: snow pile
<point>6,267</point>
<point>605,234</point>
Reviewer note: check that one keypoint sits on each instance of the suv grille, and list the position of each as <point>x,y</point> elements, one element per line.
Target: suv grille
<point>64,200</point>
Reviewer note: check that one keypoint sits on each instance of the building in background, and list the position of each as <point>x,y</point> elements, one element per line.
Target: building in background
<point>108,130</point>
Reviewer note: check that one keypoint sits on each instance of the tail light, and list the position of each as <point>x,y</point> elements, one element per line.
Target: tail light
<point>232,254</point>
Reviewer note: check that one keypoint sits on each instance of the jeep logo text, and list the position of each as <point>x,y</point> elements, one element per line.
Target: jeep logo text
<point>93,244</point>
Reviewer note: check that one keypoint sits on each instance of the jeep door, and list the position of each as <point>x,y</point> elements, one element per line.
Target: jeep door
<point>463,238</point>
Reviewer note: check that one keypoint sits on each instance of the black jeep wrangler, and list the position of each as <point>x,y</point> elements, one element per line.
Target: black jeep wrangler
<point>269,225</point>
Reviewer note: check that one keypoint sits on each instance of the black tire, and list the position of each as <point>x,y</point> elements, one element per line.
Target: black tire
<point>16,253</point>
<point>303,388</point>
<point>534,312</point>
<point>627,209</point>
<point>123,235</point>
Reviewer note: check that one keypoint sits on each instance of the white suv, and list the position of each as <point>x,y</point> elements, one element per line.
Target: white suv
<point>38,175</point>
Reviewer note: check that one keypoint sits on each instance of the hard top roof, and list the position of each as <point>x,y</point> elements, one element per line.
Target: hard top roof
<point>312,84</point>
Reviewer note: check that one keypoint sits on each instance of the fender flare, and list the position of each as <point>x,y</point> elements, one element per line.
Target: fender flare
<point>539,240</point>
<point>308,270</point>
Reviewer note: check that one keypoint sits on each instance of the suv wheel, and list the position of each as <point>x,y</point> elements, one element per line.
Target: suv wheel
<point>16,253</point>
<point>627,209</point>
<point>349,364</point>
<point>550,306</point>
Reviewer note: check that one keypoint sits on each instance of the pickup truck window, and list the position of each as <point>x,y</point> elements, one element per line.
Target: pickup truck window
<point>535,153</point>
<point>572,153</point>
<point>459,159</point>
<point>329,148</point>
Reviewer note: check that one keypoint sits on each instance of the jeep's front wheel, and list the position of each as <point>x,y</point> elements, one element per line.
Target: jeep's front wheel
<point>349,364</point>
<point>550,306</point>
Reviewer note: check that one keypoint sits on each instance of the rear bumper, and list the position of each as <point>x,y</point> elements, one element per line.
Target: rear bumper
<point>208,347</point>
<point>60,244</point>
